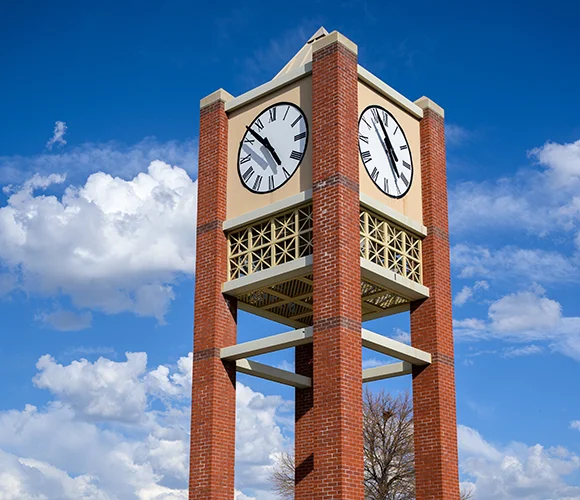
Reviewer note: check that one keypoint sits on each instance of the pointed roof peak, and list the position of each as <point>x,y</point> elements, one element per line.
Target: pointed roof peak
<point>304,55</point>
<point>319,34</point>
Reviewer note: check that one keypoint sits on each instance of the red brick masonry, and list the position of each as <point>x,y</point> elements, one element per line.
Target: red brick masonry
<point>431,330</point>
<point>336,426</point>
<point>213,408</point>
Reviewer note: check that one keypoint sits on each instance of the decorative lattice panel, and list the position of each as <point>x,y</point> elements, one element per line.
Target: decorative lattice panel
<point>281,238</point>
<point>390,246</point>
<point>287,236</point>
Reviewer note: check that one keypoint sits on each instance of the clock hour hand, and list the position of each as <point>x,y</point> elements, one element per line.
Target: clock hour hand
<point>266,143</point>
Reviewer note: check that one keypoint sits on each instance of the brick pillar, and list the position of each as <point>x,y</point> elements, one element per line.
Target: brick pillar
<point>213,405</point>
<point>435,421</point>
<point>337,377</point>
<point>304,427</point>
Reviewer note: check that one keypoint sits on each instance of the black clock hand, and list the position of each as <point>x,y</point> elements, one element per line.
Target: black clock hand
<point>392,163</point>
<point>394,170</point>
<point>272,151</point>
<point>266,143</point>
<point>389,145</point>
<point>390,148</point>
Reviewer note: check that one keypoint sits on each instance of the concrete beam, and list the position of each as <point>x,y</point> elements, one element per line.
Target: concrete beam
<point>273,374</point>
<point>387,371</point>
<point>395,349</point>
<point>267,344</point>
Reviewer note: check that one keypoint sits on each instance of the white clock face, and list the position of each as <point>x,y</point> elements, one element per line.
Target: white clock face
<point>385,151</point>
<point>272,147</point>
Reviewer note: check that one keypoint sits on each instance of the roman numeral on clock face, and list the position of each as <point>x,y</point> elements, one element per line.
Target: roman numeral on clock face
<point>259,124</point>
<point>363,138</point>
<point>404,146</point>
<point>286,173</point>
<point>248,174</point>
<point>406,165</point>
<point>272,114</point>
<point>245,159</point>
<point>404,179</point>
<point>386,184</point>
<point>271,182</point>
<point>296,155</point>
<point>375,174</point>
<point>299,136</point>
<point>366,156</point>
<point>297,120</point>
<point>257,183</point>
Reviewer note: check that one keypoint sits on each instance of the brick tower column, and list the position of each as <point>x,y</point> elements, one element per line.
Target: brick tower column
<point>213,406</point>
<point>337,368</point>
<point>431,327</point>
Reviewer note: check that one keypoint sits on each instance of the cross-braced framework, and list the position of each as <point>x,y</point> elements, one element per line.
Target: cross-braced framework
<point>390,246</point>
<point>279,239</point>
<point>287,236</point>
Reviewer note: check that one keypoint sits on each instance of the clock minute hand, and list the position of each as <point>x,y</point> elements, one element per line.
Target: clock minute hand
<point>388,141</point>
<point>266,143</point>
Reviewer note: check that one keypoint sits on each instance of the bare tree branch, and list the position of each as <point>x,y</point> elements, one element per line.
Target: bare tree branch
<point>388,451</point>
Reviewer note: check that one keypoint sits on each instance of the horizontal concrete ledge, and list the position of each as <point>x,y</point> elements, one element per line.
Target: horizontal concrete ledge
<point>399,284</point>
<point>268,344</point>
<point>387,371</point>
<point>267,277</point>
<point>393,215</point>
<point>219,95</point>
<point>267,211</point>
<point>268,87</point>
<point>426,103</point>
<point>331,38</point>
<point>389,93</point>
<point>395,349</point>
<point>273,374</point>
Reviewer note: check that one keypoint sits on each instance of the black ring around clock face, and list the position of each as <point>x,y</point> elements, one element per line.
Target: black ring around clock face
<point>381,136</point>
<point>278,133</point>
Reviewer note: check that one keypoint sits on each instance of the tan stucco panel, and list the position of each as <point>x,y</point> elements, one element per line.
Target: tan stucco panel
<point>411,204</point>
<point>240,200</point>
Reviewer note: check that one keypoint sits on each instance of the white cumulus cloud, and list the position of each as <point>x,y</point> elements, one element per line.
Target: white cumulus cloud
<point>112,244</point>
<point>524,317</point>
<point>516,471</point>
<point>103,390</point>
<point>120,430</point>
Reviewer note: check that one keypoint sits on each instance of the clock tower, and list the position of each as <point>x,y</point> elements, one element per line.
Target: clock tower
<point>322,204</point>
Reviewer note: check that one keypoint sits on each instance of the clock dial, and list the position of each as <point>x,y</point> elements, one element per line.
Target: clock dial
<point>385,151</point>
<point>272,147</point>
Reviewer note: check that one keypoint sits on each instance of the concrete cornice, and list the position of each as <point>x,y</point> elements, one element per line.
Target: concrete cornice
<point>219,95</point>
<point>268,87</point>
<point>426,103</point>
<point>335,36</point>
<point>390,93</point>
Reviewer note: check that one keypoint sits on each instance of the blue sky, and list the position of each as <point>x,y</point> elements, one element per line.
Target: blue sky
<point>97,220</point>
